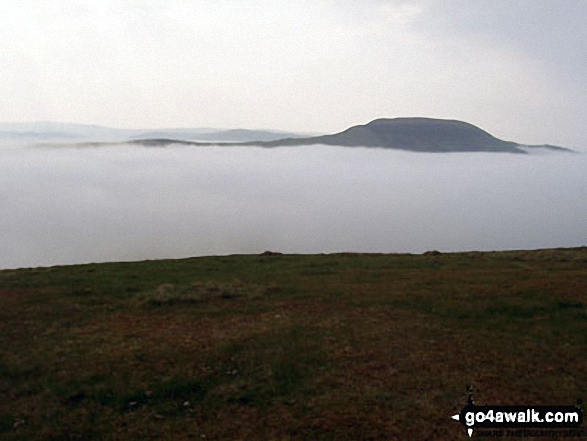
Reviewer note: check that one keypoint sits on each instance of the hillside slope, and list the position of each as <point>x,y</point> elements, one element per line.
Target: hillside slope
<point>297,347</point>
<point>414,134</point>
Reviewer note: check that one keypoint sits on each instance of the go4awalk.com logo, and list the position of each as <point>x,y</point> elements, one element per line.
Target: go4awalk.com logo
<point>517,417</point>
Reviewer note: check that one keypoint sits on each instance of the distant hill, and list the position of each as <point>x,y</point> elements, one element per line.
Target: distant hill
<point>415,134</point>
<point>52,131</point>
<point>412,134</point>
<point>233,135</point>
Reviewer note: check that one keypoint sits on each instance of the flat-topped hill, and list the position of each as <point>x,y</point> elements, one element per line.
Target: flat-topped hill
<point>414,134</point>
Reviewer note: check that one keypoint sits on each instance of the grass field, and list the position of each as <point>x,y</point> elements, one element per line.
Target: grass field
<point>279,347</point>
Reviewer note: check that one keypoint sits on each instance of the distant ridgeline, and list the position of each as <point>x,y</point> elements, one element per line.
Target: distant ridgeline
<point>413,134</point>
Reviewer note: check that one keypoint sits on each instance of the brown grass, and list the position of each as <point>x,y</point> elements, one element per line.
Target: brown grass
<point>288,347</point>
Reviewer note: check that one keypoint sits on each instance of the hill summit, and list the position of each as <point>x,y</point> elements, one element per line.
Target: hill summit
<point>414,134</point>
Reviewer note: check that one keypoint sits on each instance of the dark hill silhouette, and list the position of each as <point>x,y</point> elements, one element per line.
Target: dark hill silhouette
<point>414,134</point>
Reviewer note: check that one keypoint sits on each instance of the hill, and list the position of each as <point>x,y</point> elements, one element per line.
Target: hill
<point>414,134</point>
<point>271,346</point>
<point>221,136</point>
<point>51,131</point>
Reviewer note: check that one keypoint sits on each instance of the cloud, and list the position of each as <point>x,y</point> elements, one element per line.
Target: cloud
<point>66,205</point>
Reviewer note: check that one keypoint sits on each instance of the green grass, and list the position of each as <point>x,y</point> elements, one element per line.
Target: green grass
<point>343,346</point>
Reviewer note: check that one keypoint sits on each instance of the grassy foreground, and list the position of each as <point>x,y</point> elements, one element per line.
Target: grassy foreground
<point>279,347</point>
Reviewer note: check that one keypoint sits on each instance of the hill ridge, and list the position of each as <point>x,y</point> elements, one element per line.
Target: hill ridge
<point>413,134</point>
<point>417,134</point>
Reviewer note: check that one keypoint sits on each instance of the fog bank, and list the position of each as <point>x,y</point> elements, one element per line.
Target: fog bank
<point>68,205</point>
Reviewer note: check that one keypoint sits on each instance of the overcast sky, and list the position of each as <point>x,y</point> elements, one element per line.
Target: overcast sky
<point>516,68</point>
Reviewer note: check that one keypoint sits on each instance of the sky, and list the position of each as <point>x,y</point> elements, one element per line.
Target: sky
<point>514,68</point>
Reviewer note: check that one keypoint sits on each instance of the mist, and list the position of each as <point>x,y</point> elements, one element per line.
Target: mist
<point>66,205</point>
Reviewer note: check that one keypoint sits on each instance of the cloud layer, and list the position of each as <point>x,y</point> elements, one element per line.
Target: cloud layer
<point>66,205</point>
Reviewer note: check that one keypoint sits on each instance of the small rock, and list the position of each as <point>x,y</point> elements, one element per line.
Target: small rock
<point>270,253</point>
<point>18,423</point>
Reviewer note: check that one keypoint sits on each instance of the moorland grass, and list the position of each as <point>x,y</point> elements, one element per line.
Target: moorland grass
<point>339,346</point>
